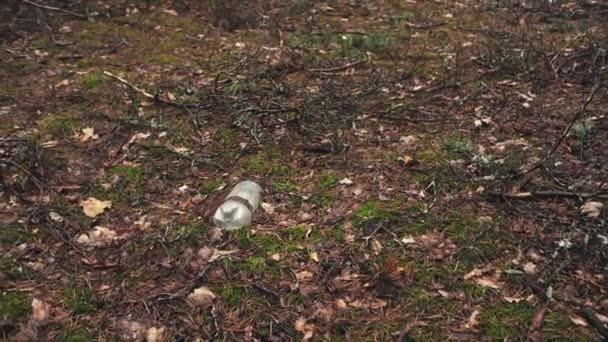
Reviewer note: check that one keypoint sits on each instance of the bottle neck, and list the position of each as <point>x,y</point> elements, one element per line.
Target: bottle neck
<point>241,200</point>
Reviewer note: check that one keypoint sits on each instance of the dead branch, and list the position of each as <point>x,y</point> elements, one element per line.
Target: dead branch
<point>577,116</point>
<point>544,194</point>
<point>595,322</point>
<point>340,68</point>
<point>54,9</point>
<point>141,91</point>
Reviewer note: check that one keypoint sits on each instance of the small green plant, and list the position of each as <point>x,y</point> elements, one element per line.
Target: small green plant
<point>233,295</point>
<point>284,186</point>
<point>13,305</point>
<point>506,320</point>
<point>75,335</point>
<point>329,179</point>
<point>458,145</point>
<point>132,174</point>
<point>91,81</point>
<point>79,301</point>
<point>370,211</point>
<point>210,186</point>
<point>582,133</point>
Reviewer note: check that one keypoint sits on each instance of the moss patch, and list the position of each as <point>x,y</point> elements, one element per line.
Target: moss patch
<point>505,320</point>
<point>14,305</point>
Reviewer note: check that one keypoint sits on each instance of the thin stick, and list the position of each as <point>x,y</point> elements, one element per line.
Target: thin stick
<point>142,92</point>
<point>130,85</point>
<point>544,194</point>
<point>340,68</point>
<point>54,9</point>
<point>577,116</point>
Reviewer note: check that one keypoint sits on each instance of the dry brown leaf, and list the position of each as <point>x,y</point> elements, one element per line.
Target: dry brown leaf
<point>40,310</point>
<point>476,272</point>
<point>304,275</point>
<point>93,207</point>
<point>472,322</point>
<point>155,334</point>
<point>577,320</point>
<point>488,282</point>
<point>86,134</point>
<point>530,268</point>
<point>99,236</point>
<point>268,208</point>
<point>201,296</point>
<point>592,209</point>
<point>307,328</point>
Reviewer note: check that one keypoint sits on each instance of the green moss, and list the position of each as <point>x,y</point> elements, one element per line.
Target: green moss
<point>506,321</point>
<point>14,234</point>
<point>79,300</point>
<point>91,81</point>
<point>254,264</point>
<point>14,305</point>
<point>329,179</point>
<point>162,59</point>
<point>132,174</point>
<point>284,186</point>
<point>210,186</point>
<point>370,211</point>
<point>19,67</point>
<point>232,295</point>
<point>192,234</point>
<point>457,147</point>
<point>75,335</point>
<point>226,136</point>
<point>60,124</point>
<point>265,163</point>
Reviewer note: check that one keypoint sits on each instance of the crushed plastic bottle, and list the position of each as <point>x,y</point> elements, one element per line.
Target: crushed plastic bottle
<point>239,206</point>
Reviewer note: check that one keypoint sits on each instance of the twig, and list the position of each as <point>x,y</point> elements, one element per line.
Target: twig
<point>423,26</point>
<point>577,116</point>
<point>54,9</point>
<point>595,322</point>
<point>141,91</point>
<point>544,194</point>
<point>340,68</point>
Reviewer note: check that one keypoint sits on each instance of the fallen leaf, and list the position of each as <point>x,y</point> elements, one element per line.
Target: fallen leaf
<point>154,334</point>
<point>314,256</point>
<point>407,160</point>
<point>268,208</point>
<point>304,275</point>
<point>530,268</point>
<point>577,320</point>
<point>55,217</point>
<point>87,134</point>
<point>407,140</point>
<point>346,181</point>
<point>592,209</point>
<point>476,272</point>
<point>472,322</point>
<point>488,282</point>
<point>92,207</point>
<point>40,310</point>
<point>408,240</point>
<point>276,257</point>
<point>170,11</point>
<point>99,236</point>
<point>513,299</point>
<point>201,296</point>
<point>302,326</point>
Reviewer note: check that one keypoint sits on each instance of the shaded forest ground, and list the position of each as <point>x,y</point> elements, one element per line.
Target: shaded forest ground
<point>385,134</point>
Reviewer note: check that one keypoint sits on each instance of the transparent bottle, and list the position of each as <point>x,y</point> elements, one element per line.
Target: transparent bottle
<point>239,206</point>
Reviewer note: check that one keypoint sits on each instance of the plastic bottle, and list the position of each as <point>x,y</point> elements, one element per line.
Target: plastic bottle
<point>239,206</point>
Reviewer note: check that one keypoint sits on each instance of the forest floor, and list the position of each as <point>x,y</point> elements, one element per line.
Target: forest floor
<point>432,170</point>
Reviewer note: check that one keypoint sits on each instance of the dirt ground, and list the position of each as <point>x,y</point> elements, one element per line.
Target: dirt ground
<point>433,170</point>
